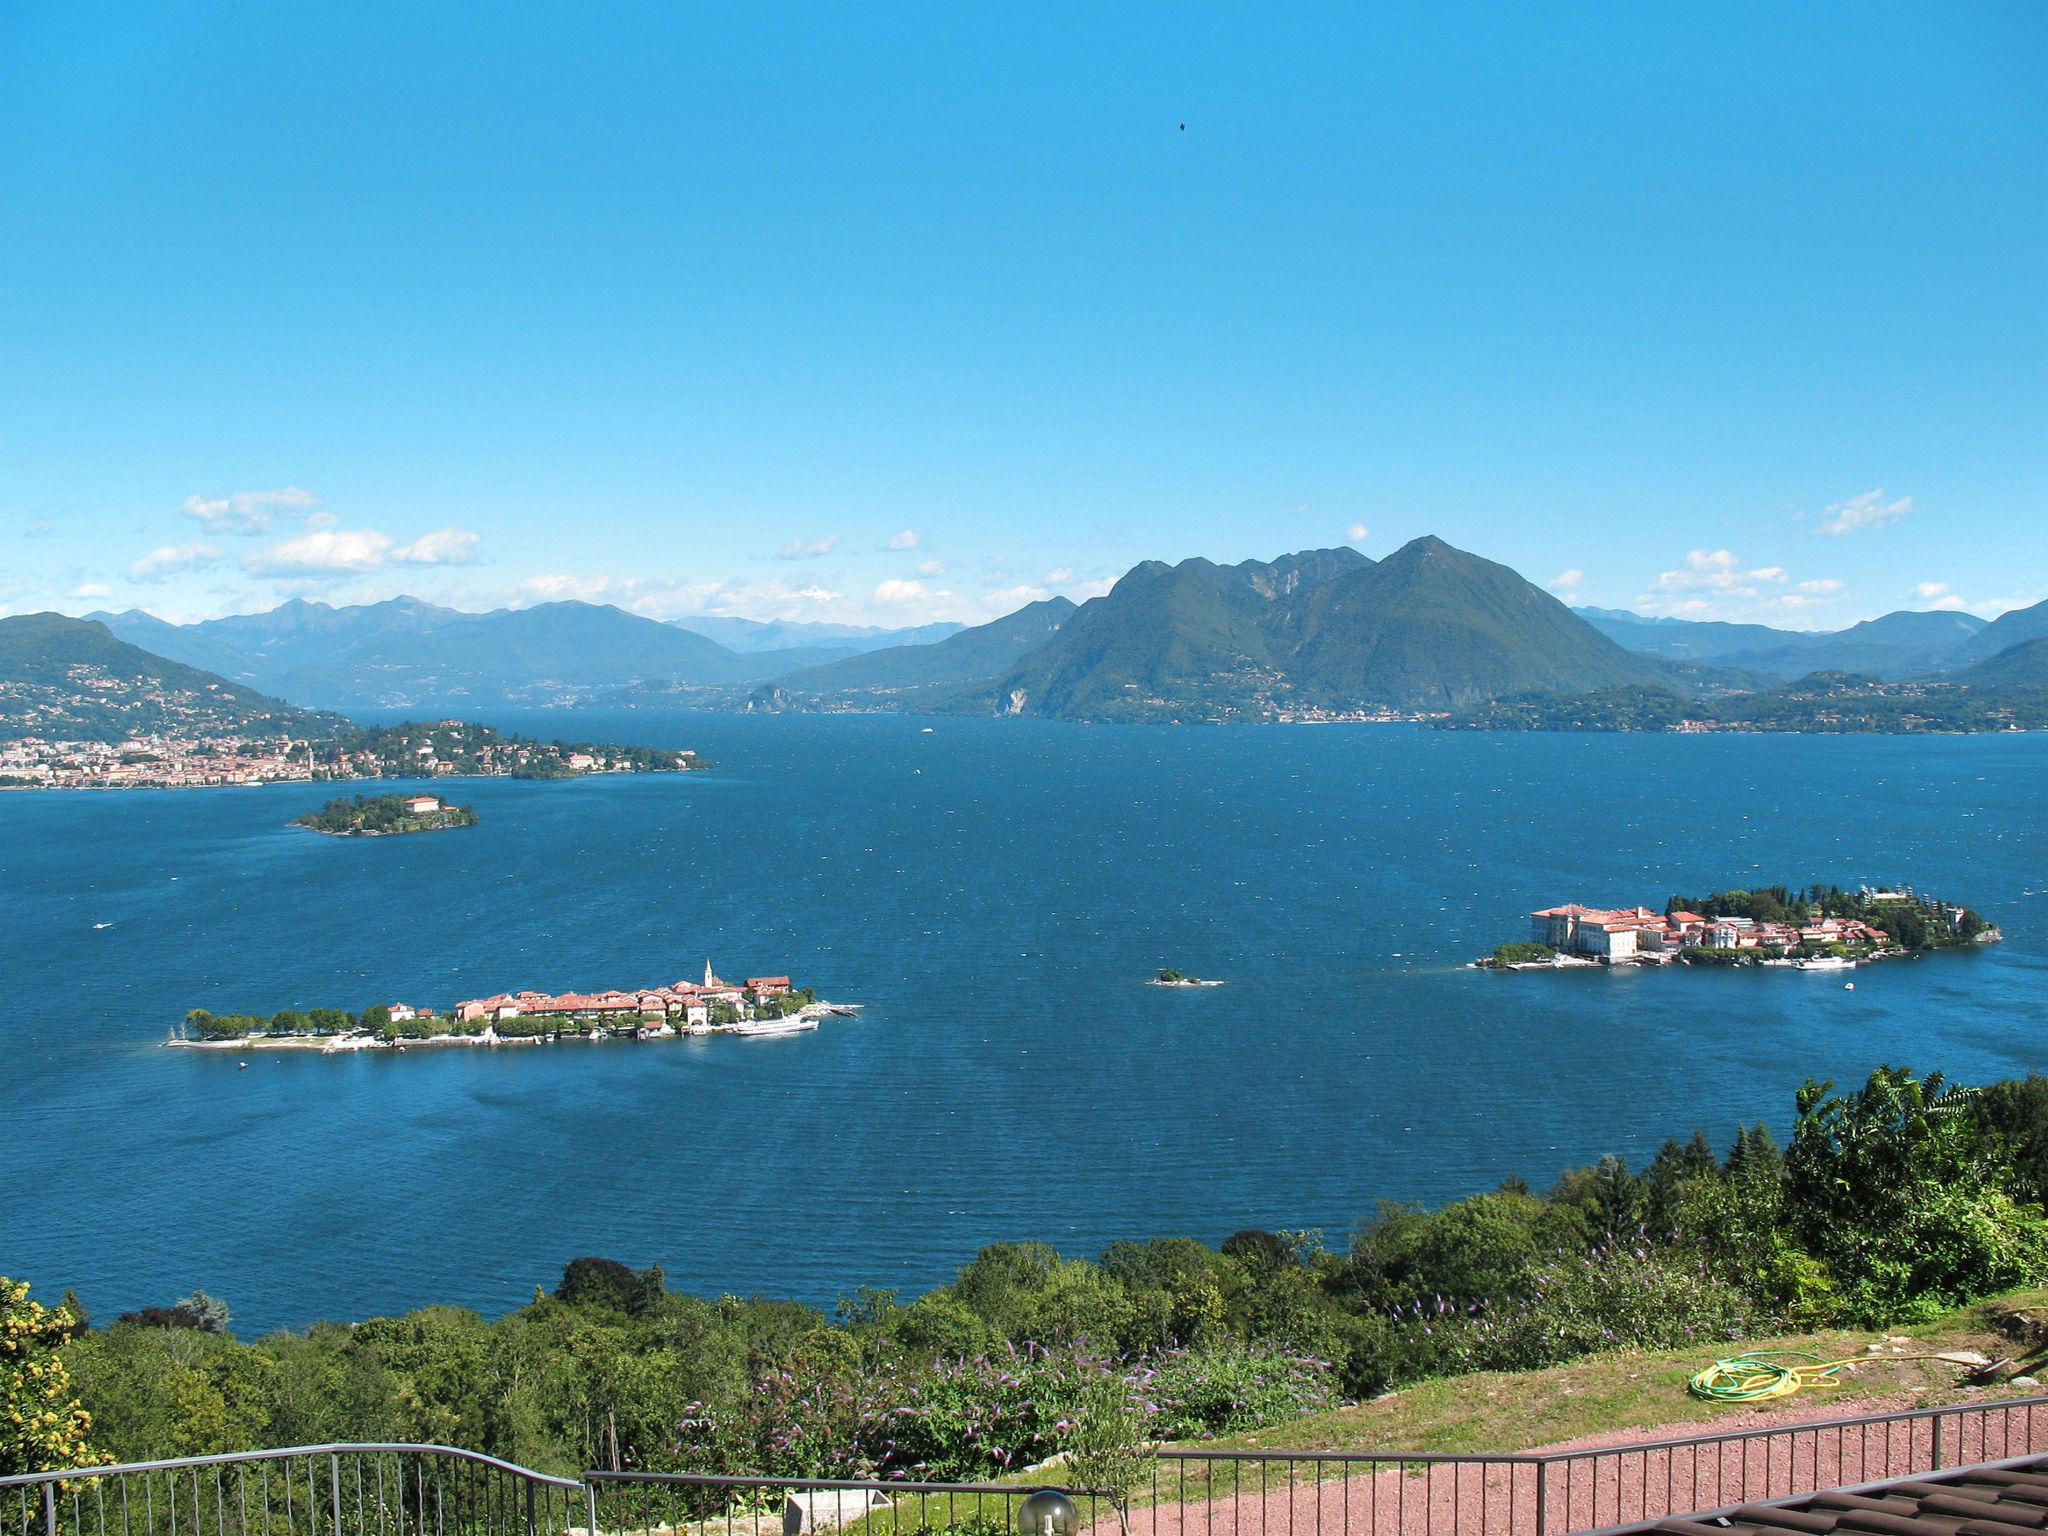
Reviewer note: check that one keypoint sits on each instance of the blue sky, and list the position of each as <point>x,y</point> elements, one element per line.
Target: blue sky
<point>875,314</point>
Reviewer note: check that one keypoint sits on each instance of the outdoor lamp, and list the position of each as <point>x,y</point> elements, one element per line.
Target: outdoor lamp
<point>1048,1512</point>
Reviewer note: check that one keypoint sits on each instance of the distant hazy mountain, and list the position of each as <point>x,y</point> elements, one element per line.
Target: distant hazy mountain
<point>405,652</point>
<point>2001,634</point>
<point>1428,627</point>
<point>73,679</point>
<point>1681,639</point>
<point>971,655</point>
<point>1898,645</point>
<point>748,636</point>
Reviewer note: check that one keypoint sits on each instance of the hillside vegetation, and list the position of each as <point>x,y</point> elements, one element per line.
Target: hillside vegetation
<point>72,680</point>
<point>1894,1204</point>
<point>1429,627</point>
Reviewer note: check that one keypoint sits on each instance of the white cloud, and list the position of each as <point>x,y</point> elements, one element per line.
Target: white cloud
<point>1355,533</point>
<point>556,587</point>
<point>807,549</point>
<point>1714,584</point>
<point>169,559</point>
<point>345,552</point>
<point>907,539</point>
<point>444,546</point>
<point>1870,510</point>
<point>1949,603</point>
<point>249,512</point>
<point>1567,581</point>
<point>931,568</point>
<point>92,589</point>
<point>895,592</point>
<point>1931,589</point>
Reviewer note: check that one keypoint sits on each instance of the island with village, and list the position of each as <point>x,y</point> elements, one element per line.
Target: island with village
<point>385,816</point>
<point>1817,928</point>
<point>761,1006</point>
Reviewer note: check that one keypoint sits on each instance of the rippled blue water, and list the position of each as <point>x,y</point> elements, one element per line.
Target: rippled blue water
<point>996,892</point>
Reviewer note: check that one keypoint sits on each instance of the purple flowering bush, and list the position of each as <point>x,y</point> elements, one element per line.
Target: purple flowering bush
<point>1625,1294</point>
<point>954,1418</point>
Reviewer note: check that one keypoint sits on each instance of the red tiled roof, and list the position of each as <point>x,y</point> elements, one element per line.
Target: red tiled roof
<point>2012,1497</point>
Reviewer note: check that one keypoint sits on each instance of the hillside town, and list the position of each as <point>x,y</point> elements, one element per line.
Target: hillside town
<point>152,762</point>
<point>437,749</point>
<point>758,1006</point>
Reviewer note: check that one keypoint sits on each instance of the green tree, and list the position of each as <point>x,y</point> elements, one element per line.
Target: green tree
<point>606,1283</point>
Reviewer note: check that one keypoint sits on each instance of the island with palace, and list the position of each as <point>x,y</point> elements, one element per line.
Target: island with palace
<point>1812,928</point>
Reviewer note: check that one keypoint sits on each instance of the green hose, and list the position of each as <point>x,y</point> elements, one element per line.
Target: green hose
<point>1759,1376</point>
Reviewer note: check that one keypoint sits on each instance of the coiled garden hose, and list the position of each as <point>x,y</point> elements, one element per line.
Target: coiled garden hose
<point>1763,1374</point>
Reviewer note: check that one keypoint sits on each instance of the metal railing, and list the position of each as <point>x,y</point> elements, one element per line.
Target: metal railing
<point>702,1504</point>
<point>1363,1493</point>
<point>305,1490</point>
<point>418,1490</point>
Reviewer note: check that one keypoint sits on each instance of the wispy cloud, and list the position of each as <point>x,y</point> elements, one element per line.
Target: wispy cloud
<point>249,512</point>
<point>1567,581</point>
<point>169,559</point>
<point>808,549</point>
<point>1927,591</point>
<point>92,589</point>
<point>353,551</point>
<point>1356,533</point>
<point>1870,510</point>
<point>931,568</point>
<point>38,528</point>
<point>1715,584</point>
<point>909,538</point>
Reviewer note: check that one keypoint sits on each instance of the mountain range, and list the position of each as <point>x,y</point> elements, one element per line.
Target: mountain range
<point>748,636</point>
<point>1897,645</point>
<point>1428,628</point>
<point>963,658</point>
<point>405,653</point>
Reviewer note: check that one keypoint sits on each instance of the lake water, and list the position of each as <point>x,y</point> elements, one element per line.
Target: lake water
<point>996,892</point>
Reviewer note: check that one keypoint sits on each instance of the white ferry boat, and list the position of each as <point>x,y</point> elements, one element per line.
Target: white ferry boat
<point>795,1024</point>
<point>1827,963</point>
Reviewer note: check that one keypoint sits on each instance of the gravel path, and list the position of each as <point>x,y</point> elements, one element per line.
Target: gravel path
<point>1608,1481</point>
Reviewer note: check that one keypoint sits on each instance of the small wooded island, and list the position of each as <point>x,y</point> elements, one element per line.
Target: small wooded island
<point>1817,928</point>
<point>1173,978</point>
<point>385,816</point>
